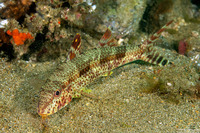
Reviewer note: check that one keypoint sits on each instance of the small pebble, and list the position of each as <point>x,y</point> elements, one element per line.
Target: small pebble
<point>169,84</point>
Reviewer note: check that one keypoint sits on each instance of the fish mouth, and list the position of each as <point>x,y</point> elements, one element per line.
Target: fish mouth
<point>42,113</point>
<point>43,110</point>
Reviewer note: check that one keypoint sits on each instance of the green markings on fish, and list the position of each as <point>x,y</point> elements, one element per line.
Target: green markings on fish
<point>81,69</point>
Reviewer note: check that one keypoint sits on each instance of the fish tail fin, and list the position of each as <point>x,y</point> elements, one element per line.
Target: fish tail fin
<point>153,56</point>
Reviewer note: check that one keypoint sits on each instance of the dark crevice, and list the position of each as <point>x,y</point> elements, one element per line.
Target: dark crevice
<point>8,51</point>
<point>196,2</point>
<point>37,44</point>
<point>150,21</point>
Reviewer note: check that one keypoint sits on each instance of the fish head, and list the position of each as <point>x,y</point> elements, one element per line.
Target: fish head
<point>54,95</point>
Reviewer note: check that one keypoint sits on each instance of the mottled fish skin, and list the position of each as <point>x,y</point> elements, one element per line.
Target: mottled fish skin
<point>75,74</point>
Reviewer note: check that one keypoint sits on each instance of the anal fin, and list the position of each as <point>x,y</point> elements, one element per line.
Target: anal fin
<point>107,73</point>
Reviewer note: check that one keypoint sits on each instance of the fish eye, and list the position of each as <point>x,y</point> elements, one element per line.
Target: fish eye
<point>57,93</point>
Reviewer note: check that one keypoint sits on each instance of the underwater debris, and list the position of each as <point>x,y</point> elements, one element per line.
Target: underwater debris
<point>159,87</point>
<point>155,85</point>
<point>174,89</point>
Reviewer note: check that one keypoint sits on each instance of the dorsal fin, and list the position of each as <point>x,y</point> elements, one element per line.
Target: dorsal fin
<point>150,54</point>
<point>107,39</point>
<point>156,35</point>
<point>75,47</point>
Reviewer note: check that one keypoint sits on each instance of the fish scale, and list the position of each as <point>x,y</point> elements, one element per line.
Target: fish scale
<point>70,77</point>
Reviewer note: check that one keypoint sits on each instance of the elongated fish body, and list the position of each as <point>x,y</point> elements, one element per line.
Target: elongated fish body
<point>83,68</point>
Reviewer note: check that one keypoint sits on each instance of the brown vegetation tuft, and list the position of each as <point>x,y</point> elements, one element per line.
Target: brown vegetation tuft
<point>15,9</point>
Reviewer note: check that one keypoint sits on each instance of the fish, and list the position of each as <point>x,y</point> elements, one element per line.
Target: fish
<point>81,69</point>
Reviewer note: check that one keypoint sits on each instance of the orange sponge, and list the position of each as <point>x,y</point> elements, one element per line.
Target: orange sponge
<point>19,38</point>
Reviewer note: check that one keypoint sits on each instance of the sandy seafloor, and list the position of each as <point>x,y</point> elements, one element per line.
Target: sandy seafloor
<point>122,107</point>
